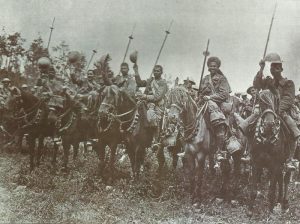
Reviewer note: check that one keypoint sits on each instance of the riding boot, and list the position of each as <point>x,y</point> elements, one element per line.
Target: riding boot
<point>155,143</point>
<point>220,140</point>
<point>291,163</point>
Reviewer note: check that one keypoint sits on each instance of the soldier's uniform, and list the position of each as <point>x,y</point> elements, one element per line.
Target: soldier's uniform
<point>215,89</point>
<point>284,94</point>
<point>127,83</point>
<point>4,91</point>
<point>188,83</point>
<point>155,92</point>
<point>246,107</point>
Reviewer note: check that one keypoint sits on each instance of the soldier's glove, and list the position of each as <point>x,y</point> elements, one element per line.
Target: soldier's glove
<point>262,64</point>
<point>206,98</point>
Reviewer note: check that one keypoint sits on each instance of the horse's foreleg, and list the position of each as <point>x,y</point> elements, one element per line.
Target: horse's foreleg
<point>113,149</point>
<point>286,181</point>
<point>101,155</point>
<point>189,171</point>
<point>66,146</point>
<point>200,171</point>
<point>253,188</point>
<point>31,144</point>
<point>54,155</point>
<point>272,190</point>
<point>75,150</point>
<point>225,168</point>
<point>236,169</point>
<point>40,147</point>
<point>161,160</point>
<point>280,186</point>
<point>211,164</point>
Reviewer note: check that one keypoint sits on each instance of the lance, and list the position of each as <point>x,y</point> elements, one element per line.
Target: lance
<point>162,46</point>
<point>130,38</point>
<point>51,29</point>
<point>205,53</point>
<point>92,56</point>
<point>269,33</point>
<point>129,41</point>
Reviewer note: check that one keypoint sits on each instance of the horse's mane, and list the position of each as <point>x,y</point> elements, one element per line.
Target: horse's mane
<point>180,96</point>
<point>177,95</point>
<point>267,100</point>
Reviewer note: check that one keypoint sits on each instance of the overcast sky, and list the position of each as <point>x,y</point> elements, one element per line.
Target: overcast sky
<point>237,30</point>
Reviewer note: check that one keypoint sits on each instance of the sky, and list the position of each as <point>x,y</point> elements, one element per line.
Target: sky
<point>237,30</point>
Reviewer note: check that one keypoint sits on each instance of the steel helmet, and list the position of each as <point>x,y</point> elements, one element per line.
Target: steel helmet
<point>44,63</point>
<point>273,58</point>
<point>190,80</point>
<point>5,80</point>
<point>73,56</point>
<point>24,86</point>
<point>133,57</point>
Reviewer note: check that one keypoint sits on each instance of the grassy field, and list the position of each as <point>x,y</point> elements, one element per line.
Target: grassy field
<point>49,195</point>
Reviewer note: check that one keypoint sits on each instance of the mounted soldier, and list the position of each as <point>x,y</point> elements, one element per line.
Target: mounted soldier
<point>4,90</point>
<point>124,81</point>
<point>154,95</point>
<point>215,89</point>
<point>246,108</point>
<point>284,94</point>
<point>48,87</point>
<point>188,84</point>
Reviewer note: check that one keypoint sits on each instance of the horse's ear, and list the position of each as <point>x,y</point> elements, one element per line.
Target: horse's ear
<point>15,91</point>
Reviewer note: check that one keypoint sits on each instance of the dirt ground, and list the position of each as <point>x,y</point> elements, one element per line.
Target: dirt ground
<point>48,195</point>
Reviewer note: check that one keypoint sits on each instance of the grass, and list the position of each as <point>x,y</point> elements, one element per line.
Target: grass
<point>49,195</point>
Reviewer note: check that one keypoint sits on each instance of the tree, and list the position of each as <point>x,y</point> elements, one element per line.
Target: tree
<point>36,50</point>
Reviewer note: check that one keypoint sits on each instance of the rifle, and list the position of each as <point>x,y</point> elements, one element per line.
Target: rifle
<point>51,29</point>
<point>160,50</point>
<point>205,53</point>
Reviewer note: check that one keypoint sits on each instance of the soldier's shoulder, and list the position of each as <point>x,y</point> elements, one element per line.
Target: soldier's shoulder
<point>286,82</point>
<point>162,82</point>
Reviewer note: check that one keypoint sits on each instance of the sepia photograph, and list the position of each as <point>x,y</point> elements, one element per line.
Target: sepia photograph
<point>150,111</point>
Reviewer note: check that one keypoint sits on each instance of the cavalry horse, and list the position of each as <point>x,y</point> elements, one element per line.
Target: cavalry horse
<point>197,137</point>
<point>34,121</point>
<point>116,113</point>
<point>269,147</point>
<point>73,126</point>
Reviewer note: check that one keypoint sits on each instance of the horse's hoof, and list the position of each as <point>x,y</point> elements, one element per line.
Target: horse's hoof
<point>197,205</point>
<point>285,206</point>
<point>249,213</point>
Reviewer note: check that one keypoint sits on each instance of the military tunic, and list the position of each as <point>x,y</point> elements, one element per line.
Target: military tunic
<point>127,83</point>
<point>283,90</point>
<point>155,91</point>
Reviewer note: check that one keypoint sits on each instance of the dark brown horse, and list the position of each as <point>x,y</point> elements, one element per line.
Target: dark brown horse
<point>116,114</point>
<point>34,121</point>
<point>269,150</point>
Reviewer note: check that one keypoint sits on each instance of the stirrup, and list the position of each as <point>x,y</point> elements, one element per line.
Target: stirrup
<point>155,146</point>
<point>245,159</point>
<point>292,165</point>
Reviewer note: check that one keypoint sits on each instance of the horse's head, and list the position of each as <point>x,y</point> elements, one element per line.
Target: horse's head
<point>269,123</point>
<point>110,100</point>
<point>15,101</point>
<point>180,104</point>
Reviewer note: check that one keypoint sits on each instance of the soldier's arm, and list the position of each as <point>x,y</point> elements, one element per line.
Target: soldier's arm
<point>160,93</point>
<point>76,80</point>
<point>139,81</point>
<point>288,97</point>
<point>223,93</point>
